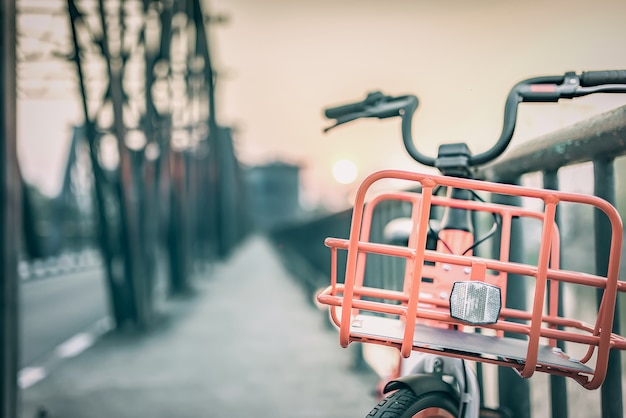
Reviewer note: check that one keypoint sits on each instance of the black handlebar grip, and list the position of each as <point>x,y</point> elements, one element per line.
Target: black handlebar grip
<point>597,78</point>
<point>339,111</point>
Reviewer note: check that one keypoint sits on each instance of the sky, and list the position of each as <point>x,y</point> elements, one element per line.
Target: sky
<point>284,61</point>
<point>280,62</point>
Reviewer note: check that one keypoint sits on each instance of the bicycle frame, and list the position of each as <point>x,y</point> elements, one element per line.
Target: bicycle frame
<point>418,317</point>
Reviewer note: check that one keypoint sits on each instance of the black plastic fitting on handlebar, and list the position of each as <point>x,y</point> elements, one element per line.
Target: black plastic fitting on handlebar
<point>596,78</point>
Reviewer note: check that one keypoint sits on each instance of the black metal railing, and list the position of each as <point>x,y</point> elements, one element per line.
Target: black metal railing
<point>599,140</point>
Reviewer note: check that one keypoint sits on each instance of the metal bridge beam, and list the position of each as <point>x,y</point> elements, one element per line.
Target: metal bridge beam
<point>167,189</point>
<point>9,214</point>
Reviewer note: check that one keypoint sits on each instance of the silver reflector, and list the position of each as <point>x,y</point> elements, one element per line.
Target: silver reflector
<point>475,302</point>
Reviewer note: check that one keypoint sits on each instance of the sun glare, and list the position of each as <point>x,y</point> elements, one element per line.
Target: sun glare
<point>344,171</point>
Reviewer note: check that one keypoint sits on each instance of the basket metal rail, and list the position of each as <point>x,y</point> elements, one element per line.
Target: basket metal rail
<point>418,318</point>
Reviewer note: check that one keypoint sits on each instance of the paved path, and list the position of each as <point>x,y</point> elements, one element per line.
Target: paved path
<point>249,345</point>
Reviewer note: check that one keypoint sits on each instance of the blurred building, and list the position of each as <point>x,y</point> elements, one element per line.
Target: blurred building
<point>274,194</point>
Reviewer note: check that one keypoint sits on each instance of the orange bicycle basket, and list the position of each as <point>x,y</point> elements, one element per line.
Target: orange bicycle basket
<point>417,317</point>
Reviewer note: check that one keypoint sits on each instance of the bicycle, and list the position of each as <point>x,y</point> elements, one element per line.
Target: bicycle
<point>447,309</point>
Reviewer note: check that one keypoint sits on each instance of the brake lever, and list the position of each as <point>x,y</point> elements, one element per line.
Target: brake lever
<point>345,119</point>
<point>606,88</point>
<point>378,106</point>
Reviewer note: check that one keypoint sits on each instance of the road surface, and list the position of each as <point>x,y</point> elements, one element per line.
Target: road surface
<point>55,309</point>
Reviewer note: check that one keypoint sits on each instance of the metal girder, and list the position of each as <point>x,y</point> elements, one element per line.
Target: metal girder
<point>9,214</point>
<point>176,83</point>
<point>130,287</point>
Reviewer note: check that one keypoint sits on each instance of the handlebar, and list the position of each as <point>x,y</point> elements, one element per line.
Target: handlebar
<point>596,78</point>
<point>537,89</point>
